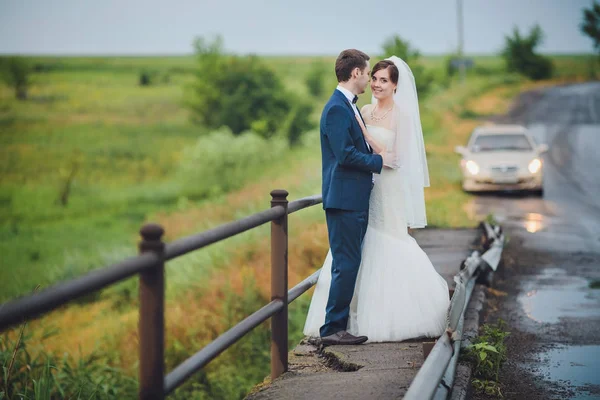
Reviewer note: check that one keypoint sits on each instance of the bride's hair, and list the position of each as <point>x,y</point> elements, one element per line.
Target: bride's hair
<point>392,69</point>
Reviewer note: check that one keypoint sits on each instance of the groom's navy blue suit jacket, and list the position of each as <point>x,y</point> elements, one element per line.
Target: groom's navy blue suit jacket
<point>348,164</point>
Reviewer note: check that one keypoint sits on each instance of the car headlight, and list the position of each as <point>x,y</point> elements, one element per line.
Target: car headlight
<point>535,165</point>
<point>472,167</point>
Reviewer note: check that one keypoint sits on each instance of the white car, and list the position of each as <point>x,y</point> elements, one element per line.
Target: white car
<point>502,157</point>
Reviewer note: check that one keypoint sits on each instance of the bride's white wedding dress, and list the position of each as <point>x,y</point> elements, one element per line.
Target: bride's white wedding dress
<point>398,294</point>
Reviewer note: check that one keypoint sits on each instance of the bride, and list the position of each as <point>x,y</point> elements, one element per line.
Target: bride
<point>398,293</point>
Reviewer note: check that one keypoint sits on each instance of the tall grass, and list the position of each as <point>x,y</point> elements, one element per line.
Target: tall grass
<point>41,376</point>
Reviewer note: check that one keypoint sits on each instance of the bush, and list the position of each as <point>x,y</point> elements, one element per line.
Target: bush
<point>396,46</point>
<point>297,121</point>
<point>487,354</point>
<point>315,79</point>
<point>451,70</point>
<point>243,94</point>
<point>145,78</point>
<point>222,161</point>
<point>16,72</point>
<point>519,55</point>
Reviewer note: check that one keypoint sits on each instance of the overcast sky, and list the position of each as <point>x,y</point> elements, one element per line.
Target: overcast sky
<point>280,26</point>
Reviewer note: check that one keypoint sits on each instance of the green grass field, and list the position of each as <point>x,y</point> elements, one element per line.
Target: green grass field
<point>128,148</point>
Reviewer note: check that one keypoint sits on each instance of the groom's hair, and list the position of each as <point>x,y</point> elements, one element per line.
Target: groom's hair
<point>347,61</point>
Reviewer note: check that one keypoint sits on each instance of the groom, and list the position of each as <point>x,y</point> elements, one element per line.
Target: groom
<point>348,167</point>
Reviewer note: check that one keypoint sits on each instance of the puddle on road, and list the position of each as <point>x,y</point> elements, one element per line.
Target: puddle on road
<point>575,366</point>
<point>554,294</point>
<point>534,222</point>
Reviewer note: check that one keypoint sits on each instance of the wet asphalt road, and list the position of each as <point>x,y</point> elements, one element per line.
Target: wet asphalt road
<point>554,252</point>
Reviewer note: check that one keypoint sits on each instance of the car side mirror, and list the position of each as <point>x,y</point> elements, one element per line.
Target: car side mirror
<point>460,150</point>
<point>542,148</point>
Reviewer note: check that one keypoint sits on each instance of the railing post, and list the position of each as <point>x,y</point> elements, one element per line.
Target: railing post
<point>279,286</point>
<point>151,320</point>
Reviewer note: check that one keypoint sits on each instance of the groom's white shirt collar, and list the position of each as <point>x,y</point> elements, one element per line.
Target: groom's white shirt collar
<point>349,95</point>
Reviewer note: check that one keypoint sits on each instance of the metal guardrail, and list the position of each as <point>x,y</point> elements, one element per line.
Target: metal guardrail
<point>436,376</point>
<point>150,266</point>
<point>17,311</point>
<point>176,377</point>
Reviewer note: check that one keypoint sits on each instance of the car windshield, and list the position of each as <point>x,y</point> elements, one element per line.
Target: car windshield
<point>501,142</point>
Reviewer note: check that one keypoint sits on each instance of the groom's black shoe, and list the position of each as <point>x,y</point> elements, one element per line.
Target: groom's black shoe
<point>343,337</point>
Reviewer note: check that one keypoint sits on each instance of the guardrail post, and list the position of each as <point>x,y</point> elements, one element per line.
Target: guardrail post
<point>279,286</point>
<point>151,320</point>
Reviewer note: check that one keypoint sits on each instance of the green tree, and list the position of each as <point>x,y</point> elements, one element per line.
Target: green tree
<point>16,72</point>
<point>146,78</point>
<point>315,79</point>
<point>396,46</point>
<point>520,56</point>
<point>241,93</point>
<point>297,121</point>
<point>591,24</point>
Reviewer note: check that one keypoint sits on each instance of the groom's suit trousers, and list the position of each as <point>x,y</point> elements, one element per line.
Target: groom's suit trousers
<point>346,232</point>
